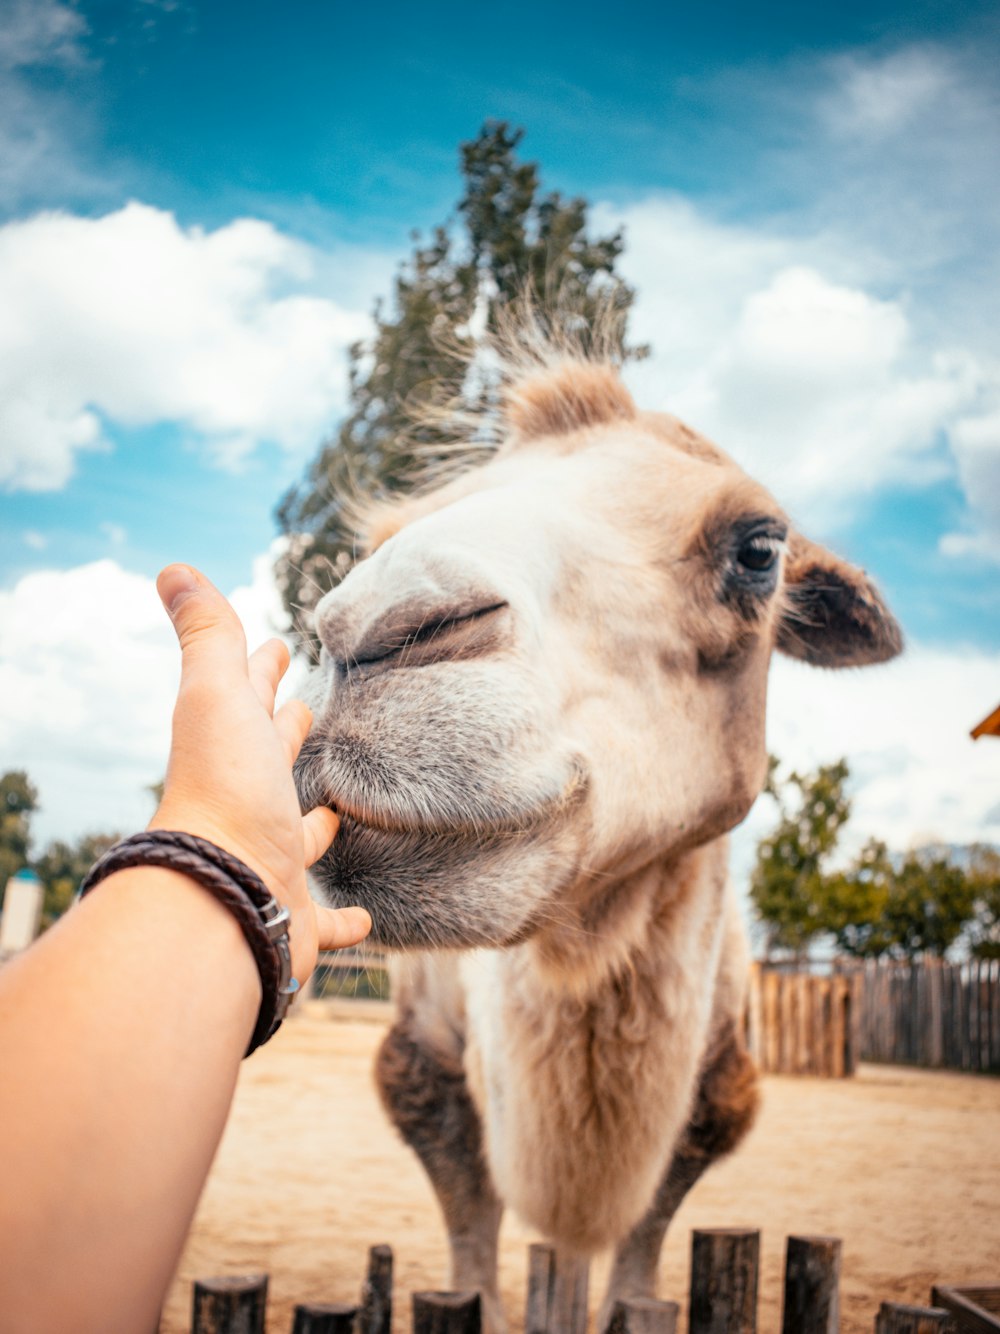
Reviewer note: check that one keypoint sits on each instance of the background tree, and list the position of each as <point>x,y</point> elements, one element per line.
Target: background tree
<point>62,866</point>
<point>18,798</point>
<point>507,237</point>
<point>903,906</point>
<point>984,873</point>
<point>857,903</point>
<point>789,886</point>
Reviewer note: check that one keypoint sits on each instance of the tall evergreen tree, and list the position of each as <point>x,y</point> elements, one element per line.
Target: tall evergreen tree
<point>508,238</point>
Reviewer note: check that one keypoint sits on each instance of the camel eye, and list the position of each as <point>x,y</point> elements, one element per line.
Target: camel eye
<point>759,554</point>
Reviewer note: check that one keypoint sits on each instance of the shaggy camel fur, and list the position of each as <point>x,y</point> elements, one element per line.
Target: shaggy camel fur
<point>539,709</point>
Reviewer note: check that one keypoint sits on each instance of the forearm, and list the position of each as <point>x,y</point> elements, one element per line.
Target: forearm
<point>125,1026</point>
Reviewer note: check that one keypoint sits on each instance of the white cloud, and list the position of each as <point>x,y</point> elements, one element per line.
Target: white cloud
<point>904,728</point>
<point>35,540</point>
<point>837,344</point>
<point>133,318</point>
<point>44,123</point>
<point>917,777</point>
<point>975,443</point>
<point>821,389</point>
<point>40,32</point>
<point>115,533</point>
<point>813,393</point>
<point>885,95</point>
<point>88,671</point>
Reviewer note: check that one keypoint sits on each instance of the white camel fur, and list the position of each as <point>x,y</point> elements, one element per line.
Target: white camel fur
<point>539,710</point>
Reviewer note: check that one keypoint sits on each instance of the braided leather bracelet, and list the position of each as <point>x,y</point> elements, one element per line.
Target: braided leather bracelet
<point>262,919</point>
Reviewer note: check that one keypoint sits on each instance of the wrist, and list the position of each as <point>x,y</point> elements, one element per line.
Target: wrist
<point>181,918</point>
<point>198,821</point>
<point>262,919</point>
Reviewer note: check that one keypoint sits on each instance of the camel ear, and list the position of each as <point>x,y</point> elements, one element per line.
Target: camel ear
<point>833,615</point>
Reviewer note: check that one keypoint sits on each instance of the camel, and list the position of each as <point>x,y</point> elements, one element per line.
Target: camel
<point>539,709</point>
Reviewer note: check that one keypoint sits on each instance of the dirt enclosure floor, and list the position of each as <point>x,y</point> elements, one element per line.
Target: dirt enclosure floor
<point>903,1165</point>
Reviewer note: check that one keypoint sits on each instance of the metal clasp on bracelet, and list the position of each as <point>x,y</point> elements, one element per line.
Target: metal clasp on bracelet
<point>276,926</point>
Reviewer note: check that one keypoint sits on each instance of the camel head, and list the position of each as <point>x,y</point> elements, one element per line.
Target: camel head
<point>551,671</point>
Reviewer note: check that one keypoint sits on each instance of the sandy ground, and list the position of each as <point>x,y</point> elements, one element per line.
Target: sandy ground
<point>903,1165</point>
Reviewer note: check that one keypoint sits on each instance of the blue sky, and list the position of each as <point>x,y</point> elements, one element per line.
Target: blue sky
<point>200,203</point>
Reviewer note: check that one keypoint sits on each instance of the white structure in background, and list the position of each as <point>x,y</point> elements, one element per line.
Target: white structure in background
<point>22,912</point>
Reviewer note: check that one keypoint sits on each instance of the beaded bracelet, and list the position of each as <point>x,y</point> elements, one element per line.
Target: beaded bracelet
<point>262,919</point>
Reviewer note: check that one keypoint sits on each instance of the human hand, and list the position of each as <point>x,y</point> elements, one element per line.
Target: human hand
<point>229,777</point>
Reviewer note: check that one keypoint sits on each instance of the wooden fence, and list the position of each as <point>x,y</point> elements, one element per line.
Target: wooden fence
<point>722,1298</point>
<point>800,1024</point>
<point>931,1013</point>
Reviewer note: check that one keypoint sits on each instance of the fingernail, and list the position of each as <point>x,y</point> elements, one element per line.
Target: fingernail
<point>174,584</point>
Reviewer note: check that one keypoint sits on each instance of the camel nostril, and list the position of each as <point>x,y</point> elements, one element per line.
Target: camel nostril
<point>410,640</point>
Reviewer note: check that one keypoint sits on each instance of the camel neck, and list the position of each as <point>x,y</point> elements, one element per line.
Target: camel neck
<point>614,925</point>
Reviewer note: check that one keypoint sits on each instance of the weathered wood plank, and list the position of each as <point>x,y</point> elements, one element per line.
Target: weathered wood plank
<point>724,1269</point>
<point>328,1318</point>
<point>812,1286</point>
<point>570,1290</point>
<point>897,1318</point>
<point>644,1315</point>
<point>541,1282</point>
<point>376,1293</point>
<point>229,1305</point>
<point>446,1313</point>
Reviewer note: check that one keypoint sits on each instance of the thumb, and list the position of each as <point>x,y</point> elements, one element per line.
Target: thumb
<point>207,628</point>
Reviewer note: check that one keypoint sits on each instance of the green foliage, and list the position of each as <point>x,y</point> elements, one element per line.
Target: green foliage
<point>984,874</point>
<point>906,906</point>
<point>895,905</point>
<point>62,866</point>
<point>857,903</point>
<point>18,799</point>
<point>789,886</point>
<point>509,239</point>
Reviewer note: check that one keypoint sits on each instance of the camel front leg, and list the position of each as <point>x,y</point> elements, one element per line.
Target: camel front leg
<point>724,1111</point>
<point>425,1094</point>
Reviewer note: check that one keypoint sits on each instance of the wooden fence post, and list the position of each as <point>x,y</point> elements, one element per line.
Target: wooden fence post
<point>446,1313</point>
<point>376,1293</point>
<point>772,1023</point>
<point>329,1318</point>
<point>541,1282</point>
<point>644,1315</point>
<point>570,1289</point>
<point>812,1286</point>
<point>724,1266</point>
<point>896,1318</point>
<point>229,1305</point>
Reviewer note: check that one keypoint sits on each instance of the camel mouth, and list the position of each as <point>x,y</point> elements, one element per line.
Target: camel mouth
<point>399,803</point>
<point>475,824</point>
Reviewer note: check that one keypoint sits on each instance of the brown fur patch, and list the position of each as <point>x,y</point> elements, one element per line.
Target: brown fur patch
<point>566,397</point>
<point>426,1098</point>
<point>727,1101</point>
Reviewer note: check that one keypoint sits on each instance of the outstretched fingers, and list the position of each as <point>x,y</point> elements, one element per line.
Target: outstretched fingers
<point>319,828</point>
<point>337,927</point>
<point>292,723</point>
<point>266,667</point>
<point>342,927</point>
